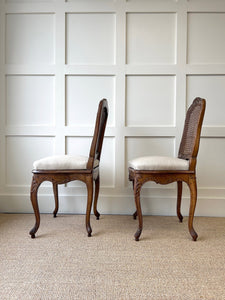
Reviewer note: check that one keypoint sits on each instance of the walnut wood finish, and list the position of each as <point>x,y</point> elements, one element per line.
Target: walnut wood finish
<point>88,176</point>
<point>188,150</point>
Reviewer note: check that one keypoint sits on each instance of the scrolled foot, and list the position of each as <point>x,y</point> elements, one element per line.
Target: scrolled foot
<point>135,215</point>
<point>180,217</point>
<point>89,230</point>
<point>54,215</point>
<point>97,214</point>
<point>32,233</point>
<point>193,234</point>
<point>137,234</point>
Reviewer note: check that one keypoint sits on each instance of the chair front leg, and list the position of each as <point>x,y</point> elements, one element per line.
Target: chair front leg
<point>179,196</point>
<point>137,190</point>
<point>89,184</point>
<point>97,184</point>
<point>135,213</point>
<point>55,190</point>
<point>33,197</point>
<point>193,191</point>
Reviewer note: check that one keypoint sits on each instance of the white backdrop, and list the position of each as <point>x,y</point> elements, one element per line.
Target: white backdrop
<point>149,58</point>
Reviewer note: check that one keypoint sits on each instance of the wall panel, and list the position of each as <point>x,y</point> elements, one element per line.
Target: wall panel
<point>85,92</point>
<point>150,59</point>
<point>211,165</point>
<point>30,38</point>
<point>210,47</point>
<point>212,88</point>
<point>146,92</point>
<point>156,44</point>
<point>95,43</point>
<point>25,98</point>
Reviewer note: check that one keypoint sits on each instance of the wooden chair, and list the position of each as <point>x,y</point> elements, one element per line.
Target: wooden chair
<point>166,170</point>
<point>65,168</point>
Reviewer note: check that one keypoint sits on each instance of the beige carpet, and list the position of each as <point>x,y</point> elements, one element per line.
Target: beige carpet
<point>63,263</point>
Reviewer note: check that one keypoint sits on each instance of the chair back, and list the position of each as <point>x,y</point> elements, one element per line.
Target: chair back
<point>100,124</point>
<point>192,130</point>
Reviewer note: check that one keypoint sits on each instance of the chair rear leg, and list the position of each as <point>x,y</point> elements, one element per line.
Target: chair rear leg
<point>137,190</point>
<point>33,197</point>
<point>179,196</point>
<point>97,184</point>
<point>193,191</point>
<point>89,184</point>
<point>55,190</point>
<point>135,215</point>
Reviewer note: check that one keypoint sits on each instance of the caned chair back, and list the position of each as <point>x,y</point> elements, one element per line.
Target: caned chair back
<point>192,130</point>
<point>100,124</point>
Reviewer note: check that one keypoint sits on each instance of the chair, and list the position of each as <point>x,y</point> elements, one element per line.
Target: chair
<point>166,170</point>
<point>65,168</point>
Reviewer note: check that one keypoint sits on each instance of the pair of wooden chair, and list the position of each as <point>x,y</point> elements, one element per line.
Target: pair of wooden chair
<point>163,170</point>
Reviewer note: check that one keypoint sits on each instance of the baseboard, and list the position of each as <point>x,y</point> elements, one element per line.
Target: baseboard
<point>214,207</point>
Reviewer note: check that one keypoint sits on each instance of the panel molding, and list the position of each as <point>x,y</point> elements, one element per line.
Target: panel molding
<point>116,195</point>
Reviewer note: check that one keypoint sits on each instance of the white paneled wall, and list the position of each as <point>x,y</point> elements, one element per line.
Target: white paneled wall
<point>149,58</point>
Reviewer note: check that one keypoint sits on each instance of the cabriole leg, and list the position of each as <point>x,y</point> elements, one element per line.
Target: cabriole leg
<point>179,196</point>
<point>97,184</point>
<point>137,190</point>
<point>89,184</point>
<point>135,213</point>
<point>193,200</point>
<point>55,190</point>
<point>33,197</point>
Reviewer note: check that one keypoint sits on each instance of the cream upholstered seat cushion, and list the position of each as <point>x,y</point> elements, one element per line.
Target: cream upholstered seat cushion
<point>155,163</point>
<point>63,162</point>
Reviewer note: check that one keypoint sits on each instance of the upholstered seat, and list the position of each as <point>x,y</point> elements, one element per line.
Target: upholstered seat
<point>159,163</point>
<point>63,162</point>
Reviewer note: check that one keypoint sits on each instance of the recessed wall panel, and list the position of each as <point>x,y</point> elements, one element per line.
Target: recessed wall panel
<point>151,38</point>
<point>21,152</point>
<point>211,163</point>
<point>150,100</point>
<point>212,88</point>
<point>81,146</point>
<point>30,38</point>
<point>206,40</point>
<point>146,146</point>
<point>83,94</point>
<point>29,100</point>
<point>90,38</point>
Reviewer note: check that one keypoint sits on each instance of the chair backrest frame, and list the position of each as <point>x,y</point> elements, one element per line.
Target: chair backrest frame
<point>189,145</point>
<point>97,141</point>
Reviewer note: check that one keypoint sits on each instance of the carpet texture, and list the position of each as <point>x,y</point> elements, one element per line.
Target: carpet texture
<point>63,263</point>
